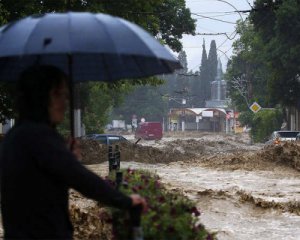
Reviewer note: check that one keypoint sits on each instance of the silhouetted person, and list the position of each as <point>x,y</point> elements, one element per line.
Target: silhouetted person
<point>36,167</point>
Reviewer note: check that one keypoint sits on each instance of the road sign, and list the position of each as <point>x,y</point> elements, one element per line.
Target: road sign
<point>198,118</point>
<point>255,107</point>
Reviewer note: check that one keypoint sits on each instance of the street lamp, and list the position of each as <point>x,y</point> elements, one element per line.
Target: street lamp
<point>183,115</point>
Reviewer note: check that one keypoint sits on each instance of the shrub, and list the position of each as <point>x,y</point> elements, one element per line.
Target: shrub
<point>264,123</point>
<point>246,118</point>
<point>170,214</point>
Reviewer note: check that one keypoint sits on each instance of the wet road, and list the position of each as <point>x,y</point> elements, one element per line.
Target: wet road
<point>237,204</point>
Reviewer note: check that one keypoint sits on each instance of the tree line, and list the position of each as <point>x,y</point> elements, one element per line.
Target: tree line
<point>265,66</point>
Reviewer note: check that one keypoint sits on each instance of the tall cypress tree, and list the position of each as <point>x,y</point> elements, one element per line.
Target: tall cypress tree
<point>212,62</point>
<point>204,91</point>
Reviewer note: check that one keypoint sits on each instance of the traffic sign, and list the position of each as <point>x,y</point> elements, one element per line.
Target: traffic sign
<point>255,107</point>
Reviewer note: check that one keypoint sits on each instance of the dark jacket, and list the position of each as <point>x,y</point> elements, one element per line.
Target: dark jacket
<point>36,171</point>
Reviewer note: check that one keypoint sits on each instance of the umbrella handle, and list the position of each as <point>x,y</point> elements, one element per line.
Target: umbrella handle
<point>71,91</point>
<point>135,218</point>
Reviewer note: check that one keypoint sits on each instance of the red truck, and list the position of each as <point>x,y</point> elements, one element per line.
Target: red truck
<point>149,131</point>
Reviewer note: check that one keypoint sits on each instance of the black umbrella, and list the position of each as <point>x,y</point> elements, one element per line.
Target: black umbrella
<point>89,47</point>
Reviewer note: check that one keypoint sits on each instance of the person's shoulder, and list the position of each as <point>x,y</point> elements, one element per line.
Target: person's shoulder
<point>32,127</point>
<point>30,130</point>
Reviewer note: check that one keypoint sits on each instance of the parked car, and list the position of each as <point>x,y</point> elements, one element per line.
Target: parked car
<point>282,136</point>
<point>298,137</point>
<point>106,138</point>
<point>149,131</point>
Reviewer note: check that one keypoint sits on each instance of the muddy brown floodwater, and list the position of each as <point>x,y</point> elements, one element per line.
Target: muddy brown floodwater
<point>237,204</point>
<point>244,191</point>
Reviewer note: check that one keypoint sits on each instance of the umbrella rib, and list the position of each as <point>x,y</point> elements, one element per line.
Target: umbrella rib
<point>164,62</point>
<point>113,45</point>
<point>138,37</point>
<point>137,63</point>
<point>106,66</point>
<point>30,35</point>
<point>135,58</point>
<point>107,33</point>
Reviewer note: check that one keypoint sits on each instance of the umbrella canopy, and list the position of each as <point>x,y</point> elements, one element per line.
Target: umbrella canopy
<point>90,47</point>
<point>87,46</point>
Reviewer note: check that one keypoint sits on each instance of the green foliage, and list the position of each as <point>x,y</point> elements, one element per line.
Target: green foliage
<point>204,77</point>
<point>183,61</point>
<point>246,118</point>
<point>247,72</point>
<point>99,101</point>
<point>212,62</point>
<point>64,128</point>
<point>264,123</point>
<point>277,24</point>
<point>144,101</point>
<point>174,20</point>
<point>182,84</point>
<point>170,215</point>
<point>6,102</point>
<point>3,15</point>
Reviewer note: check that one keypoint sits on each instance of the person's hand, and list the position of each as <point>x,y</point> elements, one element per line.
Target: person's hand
<point>74,146</point>
<point>138,200</point>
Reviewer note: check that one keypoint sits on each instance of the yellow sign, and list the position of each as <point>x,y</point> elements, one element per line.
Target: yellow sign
<point>255,107</point>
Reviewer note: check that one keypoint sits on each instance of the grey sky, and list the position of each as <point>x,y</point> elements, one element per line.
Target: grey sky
<point>192,45</point>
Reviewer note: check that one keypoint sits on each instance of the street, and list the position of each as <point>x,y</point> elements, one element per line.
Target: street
<point>239,195</point>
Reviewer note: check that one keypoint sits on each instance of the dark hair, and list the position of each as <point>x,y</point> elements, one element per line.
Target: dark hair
<point>33,92</point>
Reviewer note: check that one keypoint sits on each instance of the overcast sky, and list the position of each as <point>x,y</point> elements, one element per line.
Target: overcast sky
<point>192,45</point>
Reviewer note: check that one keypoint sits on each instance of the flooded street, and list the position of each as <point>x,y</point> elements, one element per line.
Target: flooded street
<point>243,191</point>
<point>237,204</point>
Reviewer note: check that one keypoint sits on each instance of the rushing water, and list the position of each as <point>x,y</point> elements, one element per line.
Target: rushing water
<point>219,193</point>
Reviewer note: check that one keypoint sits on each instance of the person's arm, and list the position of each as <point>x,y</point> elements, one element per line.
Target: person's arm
<point>55,159</point>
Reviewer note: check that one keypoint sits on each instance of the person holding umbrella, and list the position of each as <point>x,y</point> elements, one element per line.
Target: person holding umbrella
<point>36,167</point>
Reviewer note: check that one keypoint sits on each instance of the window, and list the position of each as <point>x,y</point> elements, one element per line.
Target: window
<point>113,139</point>
<point>288,134</point>
<point>101,139</point>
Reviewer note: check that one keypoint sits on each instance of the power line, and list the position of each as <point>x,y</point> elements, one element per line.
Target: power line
<point>211,34</point>
<point>227,12</point>
<point>216,34</point>
<point>235,32</point>
<point>166,12</point>
<point>215,19</point>
<point>219,15</point>
<point>249,4</point>
<point>188,74</point>
<point>223,1</point>
<point>224,53</point>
